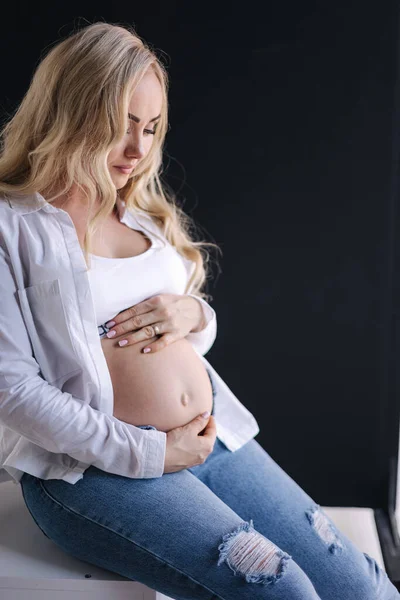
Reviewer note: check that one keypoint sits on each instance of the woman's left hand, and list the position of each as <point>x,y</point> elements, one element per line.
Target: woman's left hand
<point>176,316</point>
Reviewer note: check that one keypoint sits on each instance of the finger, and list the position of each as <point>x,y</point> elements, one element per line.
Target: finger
<point>161,343</point>
<point>133,338</point>
<point>150,305</point>
<point>138,322</point>
<point>210,429</point>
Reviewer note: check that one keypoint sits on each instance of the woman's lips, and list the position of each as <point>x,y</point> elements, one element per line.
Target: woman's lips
<point>123,170</point>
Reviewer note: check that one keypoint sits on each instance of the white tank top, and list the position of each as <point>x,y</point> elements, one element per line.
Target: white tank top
<point>119,283</point>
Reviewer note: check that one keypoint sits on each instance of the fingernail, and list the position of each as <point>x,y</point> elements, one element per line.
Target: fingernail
<point>110,324</point>
<point>205,414</point>
<point>147,350</point>
<point>111,334</point>
<point>123,343</point>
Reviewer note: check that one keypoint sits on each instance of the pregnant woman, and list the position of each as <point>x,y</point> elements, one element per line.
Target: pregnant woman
<point>169,387</point>
<point>119,461</point>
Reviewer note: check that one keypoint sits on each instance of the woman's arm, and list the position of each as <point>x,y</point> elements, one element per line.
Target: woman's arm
<point>203,340</point>
<point>55,420</point>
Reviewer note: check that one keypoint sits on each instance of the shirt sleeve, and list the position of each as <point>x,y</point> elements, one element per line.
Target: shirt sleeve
<point>55,420</point>
<point>204,339</point>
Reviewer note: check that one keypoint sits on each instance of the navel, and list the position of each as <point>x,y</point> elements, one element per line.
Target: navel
<point>185,399</point>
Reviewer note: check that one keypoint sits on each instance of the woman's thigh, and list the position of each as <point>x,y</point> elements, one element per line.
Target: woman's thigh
<point>168,533</point>
<point>262,493</point>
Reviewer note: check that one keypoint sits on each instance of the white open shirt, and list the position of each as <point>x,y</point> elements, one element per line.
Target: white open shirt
<point>56,395</point>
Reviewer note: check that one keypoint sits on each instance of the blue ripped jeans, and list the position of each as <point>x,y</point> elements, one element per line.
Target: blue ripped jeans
<point>236,527</point>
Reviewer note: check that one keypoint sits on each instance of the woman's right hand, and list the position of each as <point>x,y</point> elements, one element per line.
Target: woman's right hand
<point>186,448</point>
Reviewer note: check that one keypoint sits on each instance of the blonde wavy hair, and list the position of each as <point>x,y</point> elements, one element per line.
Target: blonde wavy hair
<point>72,115</point>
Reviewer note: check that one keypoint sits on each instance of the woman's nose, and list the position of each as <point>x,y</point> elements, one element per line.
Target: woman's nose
<point>135,149</point>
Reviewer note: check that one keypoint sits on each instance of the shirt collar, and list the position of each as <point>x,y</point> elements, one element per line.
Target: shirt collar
<point>24,204</point>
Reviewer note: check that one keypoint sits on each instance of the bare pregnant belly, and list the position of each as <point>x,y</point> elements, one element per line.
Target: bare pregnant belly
<point>166,389</point>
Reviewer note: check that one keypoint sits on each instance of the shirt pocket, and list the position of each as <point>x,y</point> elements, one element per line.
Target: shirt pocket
<point>44,313</point>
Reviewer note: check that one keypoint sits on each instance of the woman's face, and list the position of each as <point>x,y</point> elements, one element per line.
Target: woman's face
<point>144,113</point>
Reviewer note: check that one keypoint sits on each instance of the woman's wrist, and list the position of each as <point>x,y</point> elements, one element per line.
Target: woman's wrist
<point>202,322</point>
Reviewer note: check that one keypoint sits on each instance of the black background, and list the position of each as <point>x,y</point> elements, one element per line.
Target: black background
<point>283,145</point>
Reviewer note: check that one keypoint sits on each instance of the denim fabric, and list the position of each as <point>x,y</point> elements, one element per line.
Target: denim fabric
<point>235,527</point>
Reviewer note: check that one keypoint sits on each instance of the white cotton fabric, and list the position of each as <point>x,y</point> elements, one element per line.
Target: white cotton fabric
<point>118,283</point>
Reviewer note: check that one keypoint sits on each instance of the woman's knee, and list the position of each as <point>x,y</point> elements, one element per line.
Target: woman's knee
<point>248,553</point>
<point>255,558</point>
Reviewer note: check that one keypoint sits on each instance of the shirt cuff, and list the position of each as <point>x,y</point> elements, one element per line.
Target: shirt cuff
<point>156,449</point>
<point>204,339</point>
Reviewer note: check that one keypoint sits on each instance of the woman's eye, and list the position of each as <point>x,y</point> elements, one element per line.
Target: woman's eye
<point>151,131</point>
